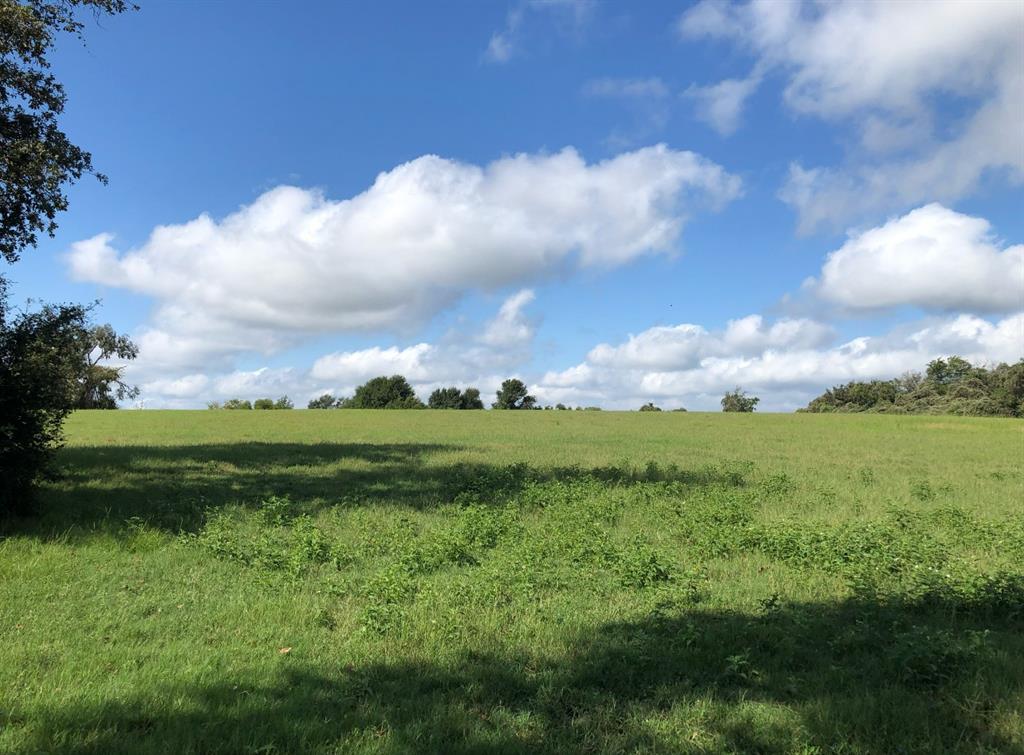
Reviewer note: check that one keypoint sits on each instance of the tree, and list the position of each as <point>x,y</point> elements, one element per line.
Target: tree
<point>445,398</point>
<point>101,384</point>
<point>325,401</point>
<point>513,395</point>
<point>237,403</point>
<point>739,401</point>
<point>41,359</point>
<point>649,407</point>
<point>471,399</point>
<point>37,160</point>
<point>263,403</point>
<point>284,403</point>
<point>385,393</point>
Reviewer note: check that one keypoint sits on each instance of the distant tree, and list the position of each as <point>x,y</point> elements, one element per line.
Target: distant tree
<point>213,405</point>
<point>325,401</point>
<point>445,398</point>
<point>945,372</point>
<point>649,407</point>
<point>237,403</point>
<point>101,384</point>
<point>679,409</point>
<point>42,355</point>
<point>284,403</point>
<point>471,399</point>
<point>513,395</point>
<point>561,407</point>
<point>739,401</point>
<point>385,393</point>
<point>263,403</point>
<point>593,409</point>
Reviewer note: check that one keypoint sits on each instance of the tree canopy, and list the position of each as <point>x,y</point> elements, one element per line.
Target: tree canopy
<point>513,395</point>
<point>37,159</point>
<point>101,384</point>
<point>385,393</point>
<point>453,398</point>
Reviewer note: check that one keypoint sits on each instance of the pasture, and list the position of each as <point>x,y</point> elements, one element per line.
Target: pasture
<point>491,582</point>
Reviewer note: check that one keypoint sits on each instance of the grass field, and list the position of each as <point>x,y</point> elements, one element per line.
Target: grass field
<point>483,582</point>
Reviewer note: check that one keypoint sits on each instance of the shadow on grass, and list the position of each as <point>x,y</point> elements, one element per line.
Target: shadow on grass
<point>857,677</point>
<point>98,488</point>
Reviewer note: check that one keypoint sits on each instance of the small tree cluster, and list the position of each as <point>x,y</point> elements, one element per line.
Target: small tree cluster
<point>738,401</point>
<point>948,386</point>
<point>649,407</point>
<point>384,393</point>
<point>453,398</point>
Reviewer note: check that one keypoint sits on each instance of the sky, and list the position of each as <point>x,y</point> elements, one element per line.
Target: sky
<point>615,202</point>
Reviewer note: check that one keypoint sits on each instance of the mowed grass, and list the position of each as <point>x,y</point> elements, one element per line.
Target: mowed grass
<point>485,582</point>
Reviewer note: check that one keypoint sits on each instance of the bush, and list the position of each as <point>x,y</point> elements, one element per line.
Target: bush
<point>42,356</point>
<point>949,386</point>
<point>739,401</point>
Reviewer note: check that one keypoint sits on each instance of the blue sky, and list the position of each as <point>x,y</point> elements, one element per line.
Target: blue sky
<point>617,202</point>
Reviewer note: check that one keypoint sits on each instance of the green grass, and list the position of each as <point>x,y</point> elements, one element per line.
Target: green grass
<point>392,582</point>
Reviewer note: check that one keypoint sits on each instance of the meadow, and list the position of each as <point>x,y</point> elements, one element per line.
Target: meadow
<point>491,582</point>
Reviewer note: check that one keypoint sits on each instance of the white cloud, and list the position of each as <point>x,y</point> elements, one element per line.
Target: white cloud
<point>294,263</point>
<point>721,105</point>
<point>882,66</point>
<point>787,363</point>
<point>932,258</point>
<point>569,15</point>
<point>461,357</point>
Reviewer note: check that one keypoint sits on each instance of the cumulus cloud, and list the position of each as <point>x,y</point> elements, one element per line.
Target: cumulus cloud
<point>294,262</point>
<point>933,258</point>
<point>882,66</point>
<point>788,362</point>
<point>480,357</point>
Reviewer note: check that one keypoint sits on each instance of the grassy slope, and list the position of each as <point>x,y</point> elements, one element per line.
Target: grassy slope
<point>504,582</point>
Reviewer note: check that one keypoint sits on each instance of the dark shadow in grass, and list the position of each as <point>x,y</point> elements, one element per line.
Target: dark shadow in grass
<point>99,488</point>
<point>860,677</point>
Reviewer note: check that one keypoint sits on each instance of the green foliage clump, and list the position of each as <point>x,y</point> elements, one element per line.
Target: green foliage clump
<point>949,386</point>
<point>42,357</point>
<point>384,393</point>
<point>269,404</point>
<point>650,407</point>
<point>233,403</point>
<point>453,398</point>
<point>513,394</point>
<point>101,384</point>
<point>738,401</point>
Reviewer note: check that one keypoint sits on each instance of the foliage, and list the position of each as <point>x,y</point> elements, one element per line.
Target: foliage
<point>949,386</point>
<point>453,398</point>
<point>101,384</point>
<point>37,160</point>
<point>738,401</point>
<point>42,356</point>
<point>514,395</point>
<point>384,393</point>
<point>650,407</point>
<point>326,401</point>
<point>263,403</point>
<point>234,403</point>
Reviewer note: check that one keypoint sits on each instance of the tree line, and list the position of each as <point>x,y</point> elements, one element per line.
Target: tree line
<point>948,386</point>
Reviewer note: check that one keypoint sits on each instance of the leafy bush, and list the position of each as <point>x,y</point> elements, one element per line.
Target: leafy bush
<point>42,356</point>
<point>949,386</point>
<point>739,401</point>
